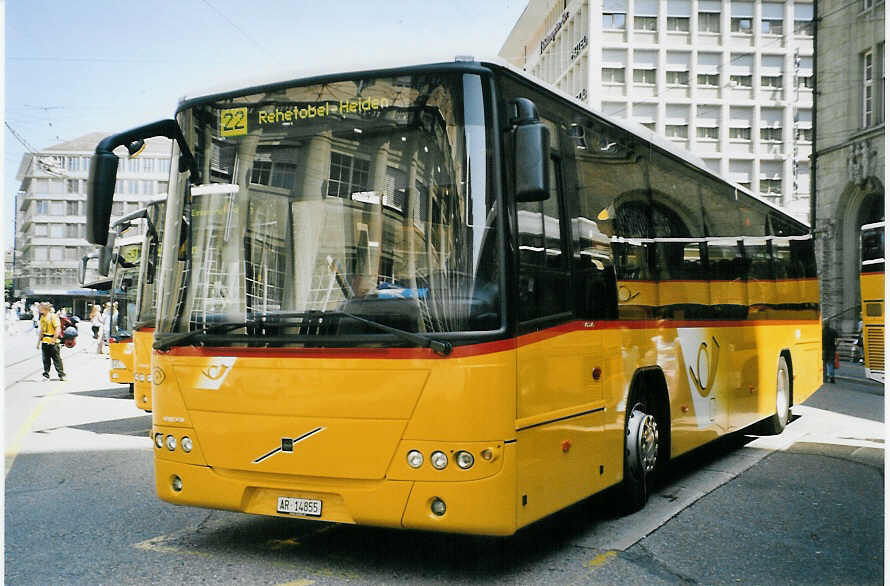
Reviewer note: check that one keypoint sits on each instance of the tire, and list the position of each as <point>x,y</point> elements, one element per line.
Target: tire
<point>131,389</point>
<point>776,424</point>
<point>641,457</point>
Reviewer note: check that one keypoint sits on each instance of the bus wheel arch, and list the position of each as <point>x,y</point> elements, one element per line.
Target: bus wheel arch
<point>646,436</point>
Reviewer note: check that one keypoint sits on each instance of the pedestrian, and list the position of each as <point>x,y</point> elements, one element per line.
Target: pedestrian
<point>829,349</point>
<point>50,332</point>
<point>35,315</point>
<point>95,320</point>
<point>106,327</point>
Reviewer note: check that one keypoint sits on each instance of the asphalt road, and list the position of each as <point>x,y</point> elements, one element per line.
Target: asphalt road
<point>805,507</point>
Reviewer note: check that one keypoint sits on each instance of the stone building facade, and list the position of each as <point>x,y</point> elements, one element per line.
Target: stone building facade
<point>849,147</point>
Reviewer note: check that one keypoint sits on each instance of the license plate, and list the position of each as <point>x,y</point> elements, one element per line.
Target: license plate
<point>294,506</point>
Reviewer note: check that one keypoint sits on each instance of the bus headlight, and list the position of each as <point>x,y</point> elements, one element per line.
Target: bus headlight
<point>171,443</point>
<point>159,440</point>
<point>186,443</point>
<point>439,460</point>
<point>415,459</point>
<point>464,460</point>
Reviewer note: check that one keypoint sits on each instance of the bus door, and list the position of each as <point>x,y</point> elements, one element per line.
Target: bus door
<point>559,401</point>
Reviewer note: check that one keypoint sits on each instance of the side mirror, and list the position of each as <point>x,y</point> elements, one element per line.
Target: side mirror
<point>83,265</point>
<point>103,171</point>
<point>531,153</point>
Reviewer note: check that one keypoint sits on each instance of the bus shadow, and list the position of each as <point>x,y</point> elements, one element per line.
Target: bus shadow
<point>367,553</point>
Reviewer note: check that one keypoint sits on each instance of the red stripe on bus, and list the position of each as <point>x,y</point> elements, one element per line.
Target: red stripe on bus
<point>472,349</point>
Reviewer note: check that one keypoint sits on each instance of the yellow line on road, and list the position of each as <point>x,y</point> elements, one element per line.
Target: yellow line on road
<point>25,428</point>
<point>601,560</point>
<point>157,544</point>
<point>303,582</point>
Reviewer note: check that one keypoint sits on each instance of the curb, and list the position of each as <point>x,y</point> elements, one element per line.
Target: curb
<point>857,380</point>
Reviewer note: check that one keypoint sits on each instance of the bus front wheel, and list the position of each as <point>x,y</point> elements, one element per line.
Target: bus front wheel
<point>641,450</point>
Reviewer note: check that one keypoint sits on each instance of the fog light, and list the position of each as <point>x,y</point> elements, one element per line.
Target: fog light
<point>439,460</point>
<point>159,440</point>
<point>171,443</point>
<point>486,454</point>
<point>186,444</point>
<point>437,507</point>
<point>415,459</point>
<point>464,460</point>
<point>144,399</point>
<point>176,484</point>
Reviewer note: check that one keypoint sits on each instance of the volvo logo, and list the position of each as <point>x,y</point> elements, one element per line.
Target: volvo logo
<point>288,443</point>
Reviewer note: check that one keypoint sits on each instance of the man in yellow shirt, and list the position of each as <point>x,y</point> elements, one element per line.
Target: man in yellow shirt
<point>48,340</point>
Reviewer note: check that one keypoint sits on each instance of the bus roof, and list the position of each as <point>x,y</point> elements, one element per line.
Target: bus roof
<point>255,84</point>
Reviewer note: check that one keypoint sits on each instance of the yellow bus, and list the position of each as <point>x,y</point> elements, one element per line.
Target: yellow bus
<point>146,302</point>
<point>871,284</point>
<point>125,260</point>
<point>446,297</point>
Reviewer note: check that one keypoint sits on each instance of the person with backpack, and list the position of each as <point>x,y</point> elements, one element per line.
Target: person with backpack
<point>50,332</point>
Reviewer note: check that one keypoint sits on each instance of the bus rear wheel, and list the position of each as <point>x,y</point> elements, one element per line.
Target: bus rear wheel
<point>641,451</point>
<point>776,424</point>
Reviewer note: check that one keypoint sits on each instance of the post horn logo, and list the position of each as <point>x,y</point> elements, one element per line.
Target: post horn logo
<point>158,376</point>
<point>215,371</point>
<point>705,371</point>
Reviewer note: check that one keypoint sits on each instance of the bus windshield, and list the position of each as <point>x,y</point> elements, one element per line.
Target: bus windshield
<point>124,289</point>
<point>365,197</point>
<point>146,302</point>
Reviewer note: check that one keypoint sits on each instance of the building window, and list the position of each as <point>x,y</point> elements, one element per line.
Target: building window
<point>867,89</point>
<point>117,209</point>
<point>41,230</point>
<point>771,135</point>
<point>165,165</point>
<point>261,172</point>
<point>56,252</point>
<point>72,208</point>
<point>677,77</point>
<point>804,135</point>
<point>347,175</point>
<point>73,184</point>
<point>740,25</point>
<point>708,79</point>
<point>771,186</point>
<point>709,22</point>
<point>771,81</point>
<point>613,20</point>
<point>71,253</point>
<point>806,82</point>
<point>740,80</point>
<point>676,130</point>
<point>613,75</point>
<point>708,132</point>
<point>72,230</point>
<point>644,76</point>
<point>57,208</point>
<point>740,133</point>
<point>804,28</point>
<point>163,186</point>
<point>867,4</point>
<point>771,27</point>
<point>645,23</point>
<point>284,175</point>
<point>40,253</point>
<point>42,207</point>
<point>678,24</point>
<point>148,165</point>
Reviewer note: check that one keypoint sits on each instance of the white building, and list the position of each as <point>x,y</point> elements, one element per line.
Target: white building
<point>728,80</point>
<point>50,231</point>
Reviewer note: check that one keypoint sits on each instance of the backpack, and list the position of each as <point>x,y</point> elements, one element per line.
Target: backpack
<point>68,328</point>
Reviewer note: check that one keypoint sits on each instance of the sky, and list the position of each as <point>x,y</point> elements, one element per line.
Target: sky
<point>105,66</point>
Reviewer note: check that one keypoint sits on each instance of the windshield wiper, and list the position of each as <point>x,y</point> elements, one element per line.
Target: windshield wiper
<point>183,337</point>
<point>440,347</point>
